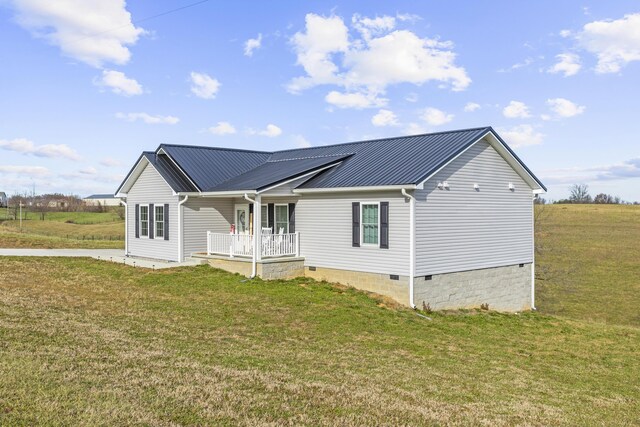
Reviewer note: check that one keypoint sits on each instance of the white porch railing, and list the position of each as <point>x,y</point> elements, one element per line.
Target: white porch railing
<point>272,245</point>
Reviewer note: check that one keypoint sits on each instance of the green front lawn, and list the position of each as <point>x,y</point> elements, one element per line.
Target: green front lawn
<point>85,342</point>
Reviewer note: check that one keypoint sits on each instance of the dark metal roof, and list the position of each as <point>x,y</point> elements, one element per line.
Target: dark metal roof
<point>275,172</point>
<point>168,170</point>
<point>208,167</point>
<point>392,161</point>
<point>404,160</point>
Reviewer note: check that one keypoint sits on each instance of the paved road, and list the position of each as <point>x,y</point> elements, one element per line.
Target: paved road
<point>114,255</point>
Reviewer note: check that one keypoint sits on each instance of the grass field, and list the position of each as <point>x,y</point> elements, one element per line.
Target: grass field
<point>588,266</point>
<point>65,230</point>
<point>84,342</point>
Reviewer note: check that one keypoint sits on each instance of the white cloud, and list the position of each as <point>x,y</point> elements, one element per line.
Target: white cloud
<point>412,97</point>
<point>565,33</point>
<point>414,129</point>
<point>385,118</point>
<point>516,110</point>
<point>271,131</point>
<point>148,119</point>
<point>24,146</point>
<point>435,117</point>
<point>624,170</point>
<point>26,170</point>
<point>615,43</point>
<point>90,170</point>
<point>118,83</point>
<point>528,61</point>
<point>222,128</point>
<point>521,136</point>
<point>92,31</point>
<point>314,49</point>
<point>354,100</point>
<point>564,108</point>
<point>369,27</point>
<point>568,64</point>
<point>470,107</point>
<point>252,44</point>
<point>301,142</point>
<point>110,162</point>
<point>204,86</point>
<point>365,66</point>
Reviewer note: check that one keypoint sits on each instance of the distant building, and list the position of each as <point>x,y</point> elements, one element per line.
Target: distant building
<point>101,200</point>
<point>3,199</point>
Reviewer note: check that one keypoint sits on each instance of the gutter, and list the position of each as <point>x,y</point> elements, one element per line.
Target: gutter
<point>180,242</point>
<point>412,243</point>
<point>254,266</point>
<point>126,227</point>
<point>533,253</point>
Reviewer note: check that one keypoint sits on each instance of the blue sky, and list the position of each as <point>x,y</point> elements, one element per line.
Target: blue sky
<point>86,85</point>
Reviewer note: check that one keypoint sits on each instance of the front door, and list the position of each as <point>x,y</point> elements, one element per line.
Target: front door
<point>242,219</point>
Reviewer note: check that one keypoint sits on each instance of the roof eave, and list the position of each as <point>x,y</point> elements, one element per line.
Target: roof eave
<point>355,189</point>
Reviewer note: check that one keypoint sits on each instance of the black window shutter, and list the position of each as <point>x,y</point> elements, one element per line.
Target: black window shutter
<point>271,214</point>
<point>384,225</point>
<point>137,214</point>
<point>250,219</point>
<point>292,217</point>
<point>355,208</point>
<point>151,220</point>
<point>166,221</point>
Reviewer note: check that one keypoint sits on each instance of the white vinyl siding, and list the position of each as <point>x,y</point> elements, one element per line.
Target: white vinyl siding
<point>202,214</point>
<point>285,189</point>
<point>325,225</point>
<point>461,228</point>
<point>150,188</point>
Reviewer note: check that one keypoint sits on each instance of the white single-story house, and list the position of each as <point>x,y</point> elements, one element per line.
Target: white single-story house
<point>443,220</point>
<point>101,200</point>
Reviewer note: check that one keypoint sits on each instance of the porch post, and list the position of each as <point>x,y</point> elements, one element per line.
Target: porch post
<point>257,228</point>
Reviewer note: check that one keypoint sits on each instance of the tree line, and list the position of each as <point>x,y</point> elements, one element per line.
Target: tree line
<point>579,193</point>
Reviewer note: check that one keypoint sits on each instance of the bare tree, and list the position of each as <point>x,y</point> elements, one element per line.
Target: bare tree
<point>579,193</point>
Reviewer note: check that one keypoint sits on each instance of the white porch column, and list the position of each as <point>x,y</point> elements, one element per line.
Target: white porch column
<point>257,227</point>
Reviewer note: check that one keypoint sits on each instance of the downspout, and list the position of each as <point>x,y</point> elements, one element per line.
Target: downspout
<point>254,263</point>
<point>126,227</point>
<point>533,254</point>
<point>412,243</point>
<point>180,226</point>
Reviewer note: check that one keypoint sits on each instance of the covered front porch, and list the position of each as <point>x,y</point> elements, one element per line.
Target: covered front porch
<point>244,245</point>
<point>250,234</point>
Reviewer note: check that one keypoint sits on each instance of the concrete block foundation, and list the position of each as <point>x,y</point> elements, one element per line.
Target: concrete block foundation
<point>502,288</point>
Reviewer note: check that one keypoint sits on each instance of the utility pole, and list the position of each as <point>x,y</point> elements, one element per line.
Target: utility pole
<point>21,216</point>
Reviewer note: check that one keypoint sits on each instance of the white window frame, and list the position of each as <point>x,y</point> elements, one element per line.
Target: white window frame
<point>264,216</point>
<point>140,227</point>
<point>155,220</point>
<point>275,217</point>
<point>362,243</point>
